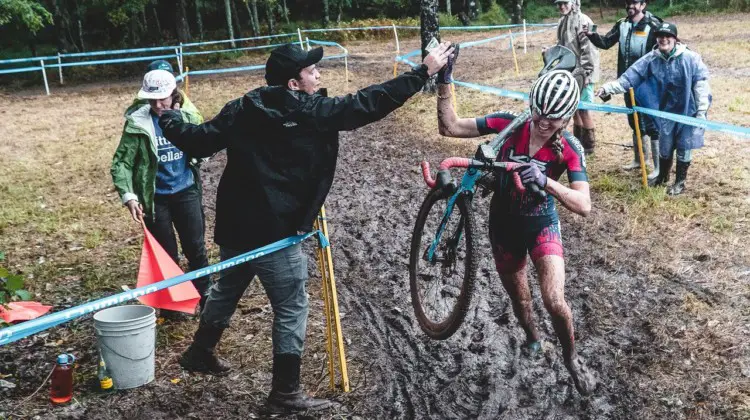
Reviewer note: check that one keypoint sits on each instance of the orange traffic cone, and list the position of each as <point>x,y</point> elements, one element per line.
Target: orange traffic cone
<point>157,265</point>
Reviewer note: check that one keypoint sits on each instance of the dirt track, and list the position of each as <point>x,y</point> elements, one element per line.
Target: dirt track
<point>624,304</point>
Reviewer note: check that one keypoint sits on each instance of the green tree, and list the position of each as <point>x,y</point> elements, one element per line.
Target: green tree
<point>25,14</point>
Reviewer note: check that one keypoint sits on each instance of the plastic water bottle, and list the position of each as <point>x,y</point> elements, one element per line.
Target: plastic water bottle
<point>61,390</point>
<point>105,379</point>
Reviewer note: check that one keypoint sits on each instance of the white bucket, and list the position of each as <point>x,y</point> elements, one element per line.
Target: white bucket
<point>127,339</point>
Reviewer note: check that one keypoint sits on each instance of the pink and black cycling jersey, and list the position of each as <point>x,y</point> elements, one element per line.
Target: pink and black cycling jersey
<point>507,200</point>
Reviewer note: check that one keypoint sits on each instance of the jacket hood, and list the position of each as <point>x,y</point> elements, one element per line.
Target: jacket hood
<point>679,49</point>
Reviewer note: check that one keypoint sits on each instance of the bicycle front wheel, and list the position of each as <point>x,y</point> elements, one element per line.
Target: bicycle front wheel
<point>442,264</point>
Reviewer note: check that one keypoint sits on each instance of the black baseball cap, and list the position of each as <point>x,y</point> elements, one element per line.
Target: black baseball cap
<point>666,28</point>
<point>160,65</point>
<point>286,62</point>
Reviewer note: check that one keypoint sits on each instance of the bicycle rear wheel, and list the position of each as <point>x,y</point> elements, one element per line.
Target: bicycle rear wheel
<point>441,286</point>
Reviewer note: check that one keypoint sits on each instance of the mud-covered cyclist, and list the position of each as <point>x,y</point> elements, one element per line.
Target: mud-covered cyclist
<point>522,223</point>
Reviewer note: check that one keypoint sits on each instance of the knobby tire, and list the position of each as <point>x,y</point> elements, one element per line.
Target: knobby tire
<point>442,329</point>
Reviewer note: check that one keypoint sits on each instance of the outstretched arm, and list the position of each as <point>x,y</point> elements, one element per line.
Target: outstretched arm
<point>200,140</point>
<point>449,123</point>
<point>375,102</point>
<point>604,42</point>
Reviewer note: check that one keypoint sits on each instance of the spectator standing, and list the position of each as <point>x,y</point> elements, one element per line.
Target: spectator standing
<point>636,37</point>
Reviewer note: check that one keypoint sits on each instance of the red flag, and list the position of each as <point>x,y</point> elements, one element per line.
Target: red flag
<point>23,311</point>
<point>157,265</point>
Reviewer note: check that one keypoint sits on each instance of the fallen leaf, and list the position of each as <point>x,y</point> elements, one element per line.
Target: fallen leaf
<point>175,380</point>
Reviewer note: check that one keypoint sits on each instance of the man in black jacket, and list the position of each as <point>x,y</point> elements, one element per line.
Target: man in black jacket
<point>282,146</point>
<point>636,35</point>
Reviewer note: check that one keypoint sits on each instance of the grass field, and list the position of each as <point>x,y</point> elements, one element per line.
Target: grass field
<point>62,224</point>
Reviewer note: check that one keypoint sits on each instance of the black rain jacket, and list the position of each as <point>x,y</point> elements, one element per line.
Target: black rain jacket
<point>282,147</point>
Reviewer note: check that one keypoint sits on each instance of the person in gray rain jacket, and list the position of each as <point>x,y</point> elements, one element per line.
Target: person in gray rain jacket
<point>570,35</point>
<point>672,79</point>
<point>636,36</point>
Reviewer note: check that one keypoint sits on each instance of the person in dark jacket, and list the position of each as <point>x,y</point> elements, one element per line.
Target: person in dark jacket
<point>636,36</point>
<point>282,146</point>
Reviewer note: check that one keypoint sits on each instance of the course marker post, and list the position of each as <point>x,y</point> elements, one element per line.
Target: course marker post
<point>513,49</point>
<point>59,67</point>
<point>524,36</point>
<point>398,50</point>
<point>332,307</point>
<point>180,59</point>
<point>299,35</point>
<point>187,81</point>
<point>307,40</point>
<point>44,76</point>
<point>346,67</point>
<point>644,178</point>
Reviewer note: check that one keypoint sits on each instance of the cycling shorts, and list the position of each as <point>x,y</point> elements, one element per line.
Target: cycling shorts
<point>513,237</point>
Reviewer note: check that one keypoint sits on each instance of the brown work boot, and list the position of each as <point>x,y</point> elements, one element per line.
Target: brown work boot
<point>583,378</point>
<point>286,394</point>
<point>201,355</point>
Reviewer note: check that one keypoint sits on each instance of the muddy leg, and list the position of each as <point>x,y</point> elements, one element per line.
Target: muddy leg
<point>517,286</point>
<point>551,269</point>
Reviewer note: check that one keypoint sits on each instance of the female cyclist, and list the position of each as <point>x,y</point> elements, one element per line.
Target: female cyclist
<point>522,223</point>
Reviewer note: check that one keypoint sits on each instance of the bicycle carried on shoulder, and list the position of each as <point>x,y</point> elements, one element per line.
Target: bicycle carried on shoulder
<point>442,259</point>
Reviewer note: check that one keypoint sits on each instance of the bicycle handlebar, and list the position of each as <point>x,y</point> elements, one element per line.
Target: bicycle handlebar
<point>458,162</point>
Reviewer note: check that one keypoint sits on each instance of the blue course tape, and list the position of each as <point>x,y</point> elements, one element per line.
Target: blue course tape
<point>227,70</point>
<point>485,41</point>
<point>224,41</point>
<point>116,52</point>
<point>259,47</point>
<point>475,43</point>
<point>20,70</point>
<point>493,90</point>
<point>111,61</point>
<point>329,43</point>
<point>345,29</point>
<point>591,106</point>
<point>24,60</point>
<point>697,122</point>
<point>25,329</point>
<point>244,68</point>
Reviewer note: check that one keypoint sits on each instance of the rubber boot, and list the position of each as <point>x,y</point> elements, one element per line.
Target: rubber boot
<point>588,140</point>
<point>286,394</point>
<point>655,157</point>
<point>680,176</point>
<point>665,165</point>
<point>201,355</point>
<point>636,163</point>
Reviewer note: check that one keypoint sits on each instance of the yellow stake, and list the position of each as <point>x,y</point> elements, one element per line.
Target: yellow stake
<point>326,311</point>
<point>640,144</point>
<point>395,68</point>
<point>513,49</point>
<point>187,81</point>
<point>334,300</point>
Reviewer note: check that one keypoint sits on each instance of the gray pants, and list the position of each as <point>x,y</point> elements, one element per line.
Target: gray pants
<point>284,276</point>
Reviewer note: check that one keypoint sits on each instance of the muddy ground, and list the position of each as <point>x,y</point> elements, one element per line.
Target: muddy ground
<point>661,316</point>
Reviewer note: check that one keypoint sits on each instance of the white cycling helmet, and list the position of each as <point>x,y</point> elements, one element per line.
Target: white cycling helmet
<point>555,95</point>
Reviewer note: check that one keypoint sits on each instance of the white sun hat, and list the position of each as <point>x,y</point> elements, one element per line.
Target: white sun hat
<point>157,84</point>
